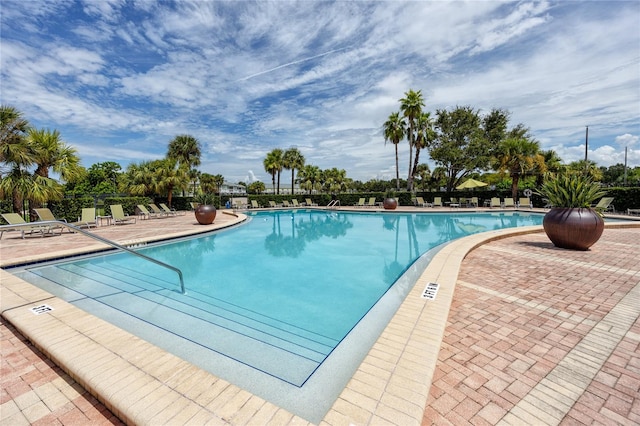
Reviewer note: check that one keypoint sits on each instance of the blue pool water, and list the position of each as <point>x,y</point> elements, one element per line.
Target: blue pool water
<point>275,296</point>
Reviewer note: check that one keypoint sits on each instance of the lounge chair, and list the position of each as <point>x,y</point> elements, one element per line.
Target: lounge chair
<point>310,203</point>
<point>437,202</point>
<point>272,204</point>
<point>194,205</point>
<point>604,205</point>
<point>157,210</point>
<point>360,203</point>
<point>633,212</point>
<point>254,204</point>
<point>525,202</point>
<point>508,202</point>
<point>286,203</point>
<point>371,203</point>
<point>118,216</point>
<point>453,202</point>
<point>87,219</point>
<point>294,202</point>
<point>144,213</point>
<point>495,202</point>
<point>169,211</point>
<point>16,219</point>
<point>421,203</point>
<point>45,214</point>
<point>473,202</point>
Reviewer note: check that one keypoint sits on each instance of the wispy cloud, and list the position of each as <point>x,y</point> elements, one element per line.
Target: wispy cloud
<point>246,77</point>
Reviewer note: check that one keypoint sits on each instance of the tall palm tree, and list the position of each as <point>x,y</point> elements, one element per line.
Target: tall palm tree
<point>411,106</point>
<point>186,150</point>
<point>292,160</point>
<point>52,153</point>
<point>273,166</point>
<point>394,130</point>
<point>425,134</point>
<point>13,130</point>
<point>16,156</point>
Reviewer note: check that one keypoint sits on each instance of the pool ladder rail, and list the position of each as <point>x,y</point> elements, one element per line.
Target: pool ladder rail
<point>333,204</point>
<point>102,240</point>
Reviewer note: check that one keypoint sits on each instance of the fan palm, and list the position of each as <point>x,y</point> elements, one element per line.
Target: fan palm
<point>411,105</point>
<point>273,166</point>
<point>292,160</point>
<point>394,131</point>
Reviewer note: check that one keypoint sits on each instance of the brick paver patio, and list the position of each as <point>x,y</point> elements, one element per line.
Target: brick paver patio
<point>539,335</point>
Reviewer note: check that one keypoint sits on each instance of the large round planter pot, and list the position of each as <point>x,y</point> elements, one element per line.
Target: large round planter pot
<point>205,214</point>
<point>390,203</point>
<point>576,229</point>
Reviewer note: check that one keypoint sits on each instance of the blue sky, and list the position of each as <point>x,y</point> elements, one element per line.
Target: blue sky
<point>120,79</point>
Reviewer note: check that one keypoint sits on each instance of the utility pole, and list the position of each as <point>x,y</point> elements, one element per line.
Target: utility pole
<point>625,166</point>
<point>586,151</point>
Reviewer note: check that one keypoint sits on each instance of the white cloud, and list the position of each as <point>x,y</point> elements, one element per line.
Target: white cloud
<point>246,77</point>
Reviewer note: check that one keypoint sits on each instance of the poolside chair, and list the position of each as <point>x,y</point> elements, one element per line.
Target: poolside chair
<point>360,202</point>
<point>421,203</point>
<point>525,202</point>
<point>310,203</point>
<point>87,219</point>
<point>495,202</point>
<point>295,203</point>
<point>144,213</point>
<point>254,204</point>
<point>437,202</point>
<point>194,205</point>
<point>473,202</point>
<point>508,202</point>
<point>45,214</point>
<point>453,202</point>
<point>272,204</point>
<point>169,211</point>
<point>16,219</point>
<point>604,205</point>
<point>372,202</point>
<point>118,216</point>
<point>157,210</point>
<point>286,203</point>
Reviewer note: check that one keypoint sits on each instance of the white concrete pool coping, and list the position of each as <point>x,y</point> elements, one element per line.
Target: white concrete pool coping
<point>143,384</point>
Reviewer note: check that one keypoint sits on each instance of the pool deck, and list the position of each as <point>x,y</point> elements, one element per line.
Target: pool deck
<point>534,335</point>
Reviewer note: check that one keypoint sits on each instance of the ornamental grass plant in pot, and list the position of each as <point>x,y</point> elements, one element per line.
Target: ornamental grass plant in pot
<point>206,210</point>
<point>572,223</point>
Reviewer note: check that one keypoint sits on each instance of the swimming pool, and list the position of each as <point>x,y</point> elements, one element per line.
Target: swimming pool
<point>238,318</point>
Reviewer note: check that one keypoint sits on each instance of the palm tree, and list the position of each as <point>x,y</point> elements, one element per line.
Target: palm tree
<point>13,130</point>
<point>169,175</point>
<point>52,153</point>
<point>273,166</point>
<point>519,155</point>
<point>207,183</point>
<point>292,160</point>
<point>309,177</point>
<point>394,131</point>
<point>186,150</point>
<point>552,164</point>
<point>194,175</point>
<point>425,134</point>
<point>424,172</point>
<point>16,154</point>
<point>411,105</point>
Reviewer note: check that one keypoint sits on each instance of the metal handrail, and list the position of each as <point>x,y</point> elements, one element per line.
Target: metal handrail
<point>101,239</point>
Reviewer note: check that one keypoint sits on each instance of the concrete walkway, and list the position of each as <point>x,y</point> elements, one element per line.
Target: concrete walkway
<point>535,335</point>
